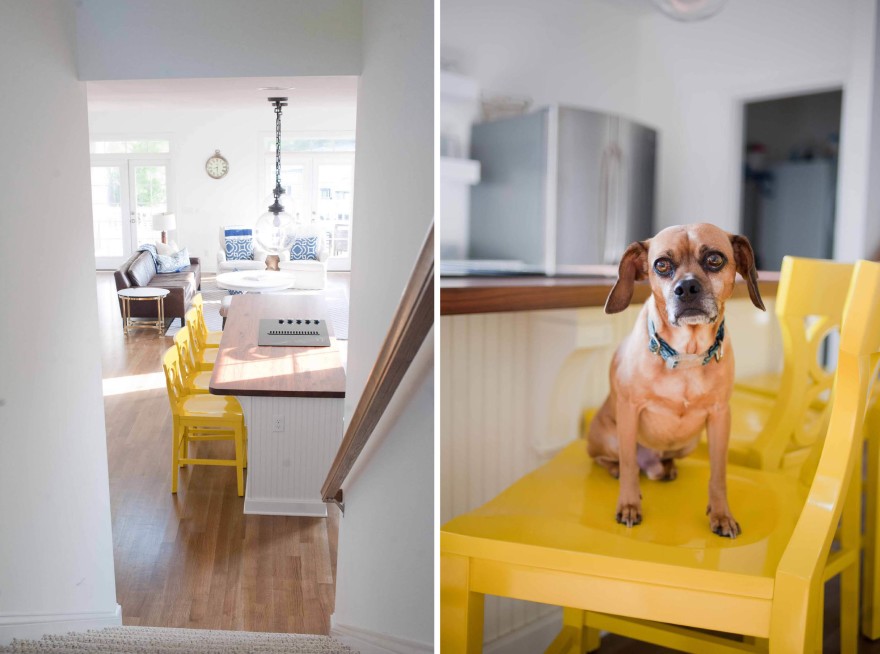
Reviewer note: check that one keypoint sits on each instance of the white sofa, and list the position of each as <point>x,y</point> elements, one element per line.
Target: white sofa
<point>309,273</point>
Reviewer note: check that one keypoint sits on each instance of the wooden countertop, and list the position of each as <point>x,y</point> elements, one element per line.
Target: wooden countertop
<point>464,295</point>
<point>245,368</point>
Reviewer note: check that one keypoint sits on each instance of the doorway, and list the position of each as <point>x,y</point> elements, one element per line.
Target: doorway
<point>127,191</point>
<point>789,178</point>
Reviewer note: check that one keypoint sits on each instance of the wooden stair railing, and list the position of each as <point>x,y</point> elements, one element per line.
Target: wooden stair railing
<point>411,323</point>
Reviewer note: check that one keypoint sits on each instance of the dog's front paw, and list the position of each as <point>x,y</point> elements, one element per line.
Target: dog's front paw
<point>723,524</point>
<point>629,513</point>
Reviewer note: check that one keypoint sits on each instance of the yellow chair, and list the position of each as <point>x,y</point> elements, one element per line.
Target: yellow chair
<point>551,537</point>
<point>203,357</point>
<point>772,431</point>
<point>209,338</point>
<point>194,380</point>
<point>202,418</point>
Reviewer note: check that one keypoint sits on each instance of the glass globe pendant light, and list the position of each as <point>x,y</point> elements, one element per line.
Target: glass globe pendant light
<point>274,229</point>
<point>690,10</point>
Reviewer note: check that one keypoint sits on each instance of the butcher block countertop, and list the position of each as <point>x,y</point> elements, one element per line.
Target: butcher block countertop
<point>245,368</point>
<point>479,294</point>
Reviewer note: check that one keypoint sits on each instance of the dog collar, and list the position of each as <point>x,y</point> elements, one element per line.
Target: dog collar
<point>675,360</point>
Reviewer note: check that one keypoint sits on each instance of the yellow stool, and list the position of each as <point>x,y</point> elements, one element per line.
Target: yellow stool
<point>202,418</point>
<point>209,338</point>
<point>194,380</point>
<point>551,538</point>
<point>203,357</point>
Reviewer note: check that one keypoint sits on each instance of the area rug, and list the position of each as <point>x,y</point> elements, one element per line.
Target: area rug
<point>155,640</point>
<point>337,306</point>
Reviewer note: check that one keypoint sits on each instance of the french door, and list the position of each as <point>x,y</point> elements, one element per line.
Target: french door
<point>318,190</point>
<point>126,193</point>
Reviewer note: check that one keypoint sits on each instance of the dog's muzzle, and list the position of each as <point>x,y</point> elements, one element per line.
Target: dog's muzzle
<point>689,304</point>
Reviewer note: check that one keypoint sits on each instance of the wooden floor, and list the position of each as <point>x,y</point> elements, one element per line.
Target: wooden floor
<point>195,560</point>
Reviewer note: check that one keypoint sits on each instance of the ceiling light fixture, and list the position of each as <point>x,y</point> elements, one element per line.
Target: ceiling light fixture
<point>276,88</point>
<point>274,229</point>
<point>688,11</point>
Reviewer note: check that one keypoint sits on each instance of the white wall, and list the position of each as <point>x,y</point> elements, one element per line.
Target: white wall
<point>580,52</point>
<point>688,80</point>
<point>56,551</point>
<point>202,204</point>
<point>385,567</point>
<point>152,39</point>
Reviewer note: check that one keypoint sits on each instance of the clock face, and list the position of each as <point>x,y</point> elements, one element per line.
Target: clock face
<point>217,166</point>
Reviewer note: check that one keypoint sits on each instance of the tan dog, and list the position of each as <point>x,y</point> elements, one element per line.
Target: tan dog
<point>673,375</point>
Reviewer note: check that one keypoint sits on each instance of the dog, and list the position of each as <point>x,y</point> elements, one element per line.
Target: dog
<point>673,375</point>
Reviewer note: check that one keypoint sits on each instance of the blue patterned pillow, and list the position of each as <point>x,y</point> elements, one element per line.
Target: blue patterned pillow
<point>172,263</point>
<point>239,244</point>
<point>304,249</point>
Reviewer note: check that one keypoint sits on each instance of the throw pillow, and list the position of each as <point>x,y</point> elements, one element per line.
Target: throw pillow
<point>304,249</point>
<point>166,248</point>
<point>172,263</point>
<point>239,244</point>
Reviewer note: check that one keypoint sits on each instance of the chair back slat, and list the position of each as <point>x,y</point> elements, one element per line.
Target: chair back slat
<point>809,306</point>
<point>173,379</point>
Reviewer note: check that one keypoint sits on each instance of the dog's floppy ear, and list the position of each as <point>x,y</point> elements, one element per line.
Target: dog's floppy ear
<point>745,266</point>
<point>633,267</point>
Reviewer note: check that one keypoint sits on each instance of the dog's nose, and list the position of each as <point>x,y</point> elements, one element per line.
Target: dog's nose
<point>687,288</point>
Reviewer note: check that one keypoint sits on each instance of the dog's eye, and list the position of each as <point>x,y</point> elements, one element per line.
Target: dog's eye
<point>714,261</point>
<point>663,267</point>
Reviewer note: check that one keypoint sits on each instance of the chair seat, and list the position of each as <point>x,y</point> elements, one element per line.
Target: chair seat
<point>199,382</point>
<point>561,517</point>
<point>749,413</point>
<point>213,339</point>
<point>209,406</point>
<point>207,357</point>
<point>767,384</point>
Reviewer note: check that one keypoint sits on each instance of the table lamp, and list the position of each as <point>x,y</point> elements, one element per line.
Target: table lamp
<point>164,222</point>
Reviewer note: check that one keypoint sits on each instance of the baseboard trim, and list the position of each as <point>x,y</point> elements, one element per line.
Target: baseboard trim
<point>270,506</point>
<point>35,626</point>
<point>370,642</point>
<point>530,638</point>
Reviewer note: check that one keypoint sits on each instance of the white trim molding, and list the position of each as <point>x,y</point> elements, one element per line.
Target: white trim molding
<point>371,642</point>
<point>35,626</point>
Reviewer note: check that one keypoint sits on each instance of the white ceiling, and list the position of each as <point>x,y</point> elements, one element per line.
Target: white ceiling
<point>229,92</point>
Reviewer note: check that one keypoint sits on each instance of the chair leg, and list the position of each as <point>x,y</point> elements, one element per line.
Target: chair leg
<point>175,454</point>
<point>850,541</point>
<point>870,581</point>
<point>239,459</point>
<point>461,611</point>
<point>576,637</point>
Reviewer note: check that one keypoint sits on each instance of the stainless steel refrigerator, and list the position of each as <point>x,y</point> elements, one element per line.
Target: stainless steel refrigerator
<point>561,188</point>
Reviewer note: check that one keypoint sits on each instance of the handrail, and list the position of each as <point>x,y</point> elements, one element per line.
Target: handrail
<point>412,322</point>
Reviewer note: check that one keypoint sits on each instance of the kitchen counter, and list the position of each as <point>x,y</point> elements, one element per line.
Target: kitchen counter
<point>478,294</point>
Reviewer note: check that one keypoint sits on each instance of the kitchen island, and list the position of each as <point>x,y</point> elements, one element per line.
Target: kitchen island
<point>292,398</point>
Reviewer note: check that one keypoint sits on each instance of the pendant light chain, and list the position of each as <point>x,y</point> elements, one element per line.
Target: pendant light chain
<point>277,147</point>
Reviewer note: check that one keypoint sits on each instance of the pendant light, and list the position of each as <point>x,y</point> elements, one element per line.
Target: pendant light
<point>688,11</point>
<point>274,229</point>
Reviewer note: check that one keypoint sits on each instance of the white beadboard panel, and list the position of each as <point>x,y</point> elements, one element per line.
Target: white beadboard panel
<point>286,469</point>
<point>513,388</point>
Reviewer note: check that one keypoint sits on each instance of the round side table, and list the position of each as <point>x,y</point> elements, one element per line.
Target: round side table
<point>143,294</point>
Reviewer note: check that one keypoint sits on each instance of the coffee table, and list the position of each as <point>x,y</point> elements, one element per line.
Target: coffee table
<point>255,281</point>
<point>143,294</point>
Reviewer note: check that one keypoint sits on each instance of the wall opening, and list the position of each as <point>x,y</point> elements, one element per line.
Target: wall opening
<point>789,176</point>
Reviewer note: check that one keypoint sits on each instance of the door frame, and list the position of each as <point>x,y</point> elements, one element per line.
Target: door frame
<point>127,199</point>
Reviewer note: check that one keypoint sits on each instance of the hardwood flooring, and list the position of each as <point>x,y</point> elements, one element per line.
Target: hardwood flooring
<point>195,560</point>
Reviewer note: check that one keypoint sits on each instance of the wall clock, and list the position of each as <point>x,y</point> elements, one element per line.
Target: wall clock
<point>216,166</point>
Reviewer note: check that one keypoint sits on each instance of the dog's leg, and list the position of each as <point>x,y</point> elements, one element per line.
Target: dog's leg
<point>602,439</point>
<point>718,431</point>
<point>629,502</point>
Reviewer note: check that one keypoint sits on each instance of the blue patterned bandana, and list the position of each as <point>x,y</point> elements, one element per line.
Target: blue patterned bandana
<point>675,360</point>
